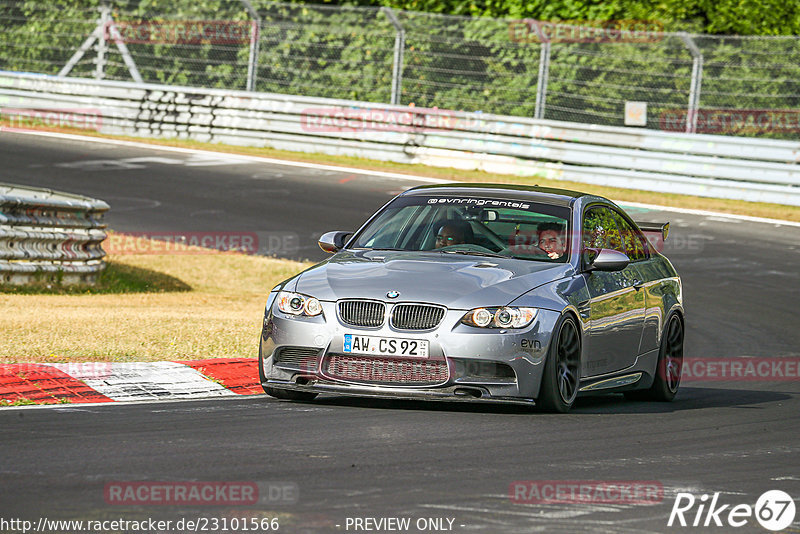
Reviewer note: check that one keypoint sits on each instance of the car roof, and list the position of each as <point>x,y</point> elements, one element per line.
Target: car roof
<point>545,195</point>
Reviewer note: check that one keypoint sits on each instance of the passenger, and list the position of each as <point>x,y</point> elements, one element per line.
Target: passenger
<point>552,240</point>
<point>453,233</point>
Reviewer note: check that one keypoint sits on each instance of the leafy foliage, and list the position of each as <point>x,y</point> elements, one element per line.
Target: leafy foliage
<point>449,61</point>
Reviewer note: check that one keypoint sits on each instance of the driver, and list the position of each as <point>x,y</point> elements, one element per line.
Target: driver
<point>551,239</point>
<point>453,233</point>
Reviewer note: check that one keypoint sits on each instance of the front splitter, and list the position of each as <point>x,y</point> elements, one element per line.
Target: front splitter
<point>456,393</point>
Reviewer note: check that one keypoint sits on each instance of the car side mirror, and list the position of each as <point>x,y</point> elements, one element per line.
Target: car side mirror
<point>333,241</point>
<point>606,260</point>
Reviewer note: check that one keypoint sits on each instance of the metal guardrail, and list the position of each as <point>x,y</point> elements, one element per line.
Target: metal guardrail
<point>705,165</point>
<point>51,236</point>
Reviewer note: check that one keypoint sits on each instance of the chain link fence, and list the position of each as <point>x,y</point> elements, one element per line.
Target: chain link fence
<point>577,72</point>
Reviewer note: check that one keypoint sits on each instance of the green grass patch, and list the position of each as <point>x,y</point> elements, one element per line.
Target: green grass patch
<point>18,402</point>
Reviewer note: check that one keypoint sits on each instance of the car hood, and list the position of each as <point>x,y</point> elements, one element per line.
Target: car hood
<point>454,281</point>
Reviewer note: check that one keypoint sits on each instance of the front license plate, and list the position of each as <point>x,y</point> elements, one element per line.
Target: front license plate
<point>385,346</point>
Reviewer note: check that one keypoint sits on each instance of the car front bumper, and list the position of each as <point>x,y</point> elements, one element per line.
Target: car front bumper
<point>468,353</point>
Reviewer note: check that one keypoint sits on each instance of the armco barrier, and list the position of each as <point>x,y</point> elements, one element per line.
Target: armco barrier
<point>48,235</point>
<point>707,165</point>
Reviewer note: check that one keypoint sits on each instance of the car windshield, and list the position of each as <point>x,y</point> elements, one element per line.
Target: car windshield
<point>512,228</point>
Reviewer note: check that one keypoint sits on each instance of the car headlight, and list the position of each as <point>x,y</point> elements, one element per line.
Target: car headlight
<point>504,317</point>
<point>297,304</point>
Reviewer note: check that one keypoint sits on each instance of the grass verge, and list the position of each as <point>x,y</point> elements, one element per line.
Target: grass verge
<point>145,308</point>
<point>754,209</point>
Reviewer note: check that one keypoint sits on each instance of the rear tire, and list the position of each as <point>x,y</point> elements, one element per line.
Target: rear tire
<point>668,368</point>
<point>561,376</point>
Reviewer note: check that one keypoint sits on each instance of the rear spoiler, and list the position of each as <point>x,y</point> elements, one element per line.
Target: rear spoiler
<point>652,227</point>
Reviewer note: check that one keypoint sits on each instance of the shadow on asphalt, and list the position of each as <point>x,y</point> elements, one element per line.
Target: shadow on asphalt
<point>688,398</point>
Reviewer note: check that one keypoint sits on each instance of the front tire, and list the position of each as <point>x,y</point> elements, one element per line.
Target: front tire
<point>561,376</point>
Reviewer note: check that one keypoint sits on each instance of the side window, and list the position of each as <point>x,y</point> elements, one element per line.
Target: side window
<point>600,229</point>
<point>631,239</point>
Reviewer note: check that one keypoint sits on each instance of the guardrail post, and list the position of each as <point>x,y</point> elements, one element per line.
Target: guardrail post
<point>541,82</point>
<point>255,36</point>
<point>697,80</point>
<point>397,63</point>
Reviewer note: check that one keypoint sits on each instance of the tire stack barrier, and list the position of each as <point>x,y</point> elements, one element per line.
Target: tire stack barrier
<point>47,235</point>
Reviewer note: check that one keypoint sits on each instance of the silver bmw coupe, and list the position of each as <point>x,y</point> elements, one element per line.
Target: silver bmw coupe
<point>481,292</point>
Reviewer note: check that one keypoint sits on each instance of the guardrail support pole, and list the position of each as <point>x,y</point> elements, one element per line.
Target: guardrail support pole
<point>541,82</point>
<point>697,80</point>
<point>397,63</point>
<point>255,36</point>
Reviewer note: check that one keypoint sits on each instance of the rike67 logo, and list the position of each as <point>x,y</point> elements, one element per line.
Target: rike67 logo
<point>774,510</point>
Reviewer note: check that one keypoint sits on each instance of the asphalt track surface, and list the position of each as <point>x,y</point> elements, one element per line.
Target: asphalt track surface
<point>352,458</point>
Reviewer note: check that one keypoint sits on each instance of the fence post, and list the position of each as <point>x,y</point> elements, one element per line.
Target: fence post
<point>105,27</point>
<point>397,63</point>
<point>102,44</point>
<point>541,82</point>
<point>697,80</point>
<point>255,36</point>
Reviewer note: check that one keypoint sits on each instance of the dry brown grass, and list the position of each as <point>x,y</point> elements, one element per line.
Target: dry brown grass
<point>219,316</point>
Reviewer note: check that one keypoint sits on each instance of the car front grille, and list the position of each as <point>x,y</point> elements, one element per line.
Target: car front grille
<point>385,371</point>
<point>416,316</point>
<point>300,358</point>
<point>367,313</point>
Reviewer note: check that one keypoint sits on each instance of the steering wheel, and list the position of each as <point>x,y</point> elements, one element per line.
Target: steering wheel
<point>527,250</point>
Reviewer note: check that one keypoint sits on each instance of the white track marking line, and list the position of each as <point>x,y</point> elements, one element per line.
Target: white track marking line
<point>382,174</point>
<point>240,157</point>
<point>148,380</point>
<point>715,214</point>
